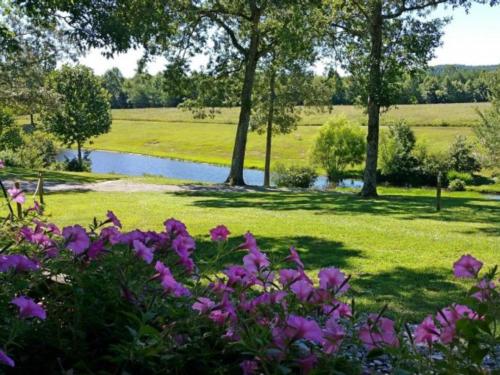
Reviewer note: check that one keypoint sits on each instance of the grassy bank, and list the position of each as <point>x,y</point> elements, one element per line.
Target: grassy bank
<point>398,248</point>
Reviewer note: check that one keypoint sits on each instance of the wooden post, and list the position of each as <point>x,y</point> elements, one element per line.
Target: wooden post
<point>40,187</point>
<point>19,206</point>
<point>438,191</point>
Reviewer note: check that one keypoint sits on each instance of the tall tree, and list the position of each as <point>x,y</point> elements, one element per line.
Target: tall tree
<point>247,29</point>
<point>113,81</point>
<point>378,41</point>
<point>83,110</point>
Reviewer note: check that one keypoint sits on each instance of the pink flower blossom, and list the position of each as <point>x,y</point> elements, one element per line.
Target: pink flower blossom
<point>76,238</point>
<point>18,263</point>
<point>17,195</point>
<point>294,257</point>
<point>203,305</point>
<point>298,328</point>
<point>6,360</point>
<point>448,318</point>
<point>302,289</point>
<point>29,308</point>
<point>427,331</point>
<point>307,363</point>
<point>255,260</point>
<point>96,248</point>
<point>467,266</point>
<point>111,235</point>
<point>238,275</point>
<point>378,332</point>
<point>250,242</point>
<point>337,310</point>
<point>168,282</point>
<point>249,367</point>
<point>142,251</point>
<point>183,245</point>
<point>333,335</point>
<point>113,219</point>
<point>219,233</point>
<point>332,278</point>
<point>485,289</point>
<point>175,227</point>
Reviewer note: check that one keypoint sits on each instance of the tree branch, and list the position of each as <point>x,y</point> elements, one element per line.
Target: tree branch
<point>403,8</point>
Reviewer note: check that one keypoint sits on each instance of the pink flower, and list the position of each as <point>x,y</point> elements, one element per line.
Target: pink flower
<point>298,328</point>
<point>448,318</point>
<point>467,266</point>
<point>238,275</point>
<point>175,227</point>
<point>485,289</point>
<point>183,245</point>
<point>219,233</point>
<point>142,251</point>
<point>76,238</point>
<point>333,334</point>
<point>110,234</point>
<point>307,363</point>
<point>95,249</point>
<point>427,331</point>
<point>337,310</point>
<point>17,262</point>
<point>203,305</point>
<point>249,367</point>
<point>332,278</point>
<point>302,289</point>
<point>17,195</point>
<point>113,219</point>
<point>5,359</point>
<point>377,332</point>
<point>29,308</point>
<point>250,242</point>
<point>294,257</point>
<point>255,260</point>
<point>168,282</point>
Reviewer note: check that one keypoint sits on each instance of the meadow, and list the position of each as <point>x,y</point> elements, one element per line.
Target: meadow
<point>176,133</point>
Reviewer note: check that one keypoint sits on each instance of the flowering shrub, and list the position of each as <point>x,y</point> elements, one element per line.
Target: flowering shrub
<point>104,299</point>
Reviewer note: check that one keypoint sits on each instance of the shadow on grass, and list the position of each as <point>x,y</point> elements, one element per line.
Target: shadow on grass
<point>53,176</point>
<point>414,293</point>
<point>466,209</point>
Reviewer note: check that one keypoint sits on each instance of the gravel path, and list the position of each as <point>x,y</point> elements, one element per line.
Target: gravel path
<point>126,186</point>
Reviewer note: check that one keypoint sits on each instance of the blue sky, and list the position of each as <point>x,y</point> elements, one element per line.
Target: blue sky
<point>471,39</point>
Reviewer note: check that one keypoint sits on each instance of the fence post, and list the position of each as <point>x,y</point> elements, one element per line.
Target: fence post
<point>40,187</point>
<point>438,191</point>
<point>19,206</point>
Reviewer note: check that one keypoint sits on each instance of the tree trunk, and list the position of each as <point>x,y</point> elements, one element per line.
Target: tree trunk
<point>238,160</point>
<point>269,134</point>
<point>80,161</point>
<point>32,120</point>
<point>374,89</point>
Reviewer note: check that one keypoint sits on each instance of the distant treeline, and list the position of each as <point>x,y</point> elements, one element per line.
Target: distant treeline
<point>439,84</point>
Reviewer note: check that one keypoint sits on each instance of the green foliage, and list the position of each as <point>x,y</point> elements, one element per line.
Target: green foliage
<point>339,144</point>
<point>457,185</point>
<point>83,111</point>
<point>462,157</point>
<point>294,176</point>
<point>10,133</point>
<point>467,178</point>
<point>113,81</point>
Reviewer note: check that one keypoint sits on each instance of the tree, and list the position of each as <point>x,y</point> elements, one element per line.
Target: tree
<point>83,110</point>
<point>378,41</point>
<point>113,81</point>
<point>339,144</point>
<point>461,156</point>
<point>239,30</point>
<point>488,131</point>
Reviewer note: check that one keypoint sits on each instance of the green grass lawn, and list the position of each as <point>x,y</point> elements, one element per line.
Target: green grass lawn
<point>459,114</point>
<point>213,143</point>
<point>398,248</point>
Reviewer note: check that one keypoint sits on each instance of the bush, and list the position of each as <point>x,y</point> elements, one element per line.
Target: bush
<point>461,156</point>
<point>294,176</point>
<point>340,144</point>
<point>457,185</point>
<point>467,178</point>
<point>10,133</point>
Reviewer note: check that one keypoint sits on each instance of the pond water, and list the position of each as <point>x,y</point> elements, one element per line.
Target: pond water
<point>139,165</point>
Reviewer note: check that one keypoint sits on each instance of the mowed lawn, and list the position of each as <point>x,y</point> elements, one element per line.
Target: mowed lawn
<point>213,143</point>
<point>398,249</point>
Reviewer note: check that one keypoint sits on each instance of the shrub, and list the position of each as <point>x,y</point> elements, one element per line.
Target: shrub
<point>294,176</point>
<point>340,144</point>
<point>462,157</point>
<point>467,178</point>
<point>456,185</point>
<point>10,133</point>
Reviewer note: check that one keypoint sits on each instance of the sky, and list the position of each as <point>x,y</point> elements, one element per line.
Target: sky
<point>470,39</point>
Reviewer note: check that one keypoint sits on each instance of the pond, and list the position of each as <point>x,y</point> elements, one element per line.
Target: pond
<point>139,165</point>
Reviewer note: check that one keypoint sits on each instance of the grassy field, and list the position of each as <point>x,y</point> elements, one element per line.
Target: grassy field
<point>213,143</point>
<point>460,114</point>
<point>398,249</point>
